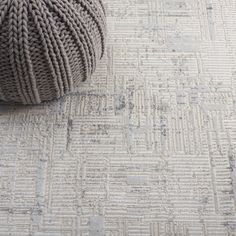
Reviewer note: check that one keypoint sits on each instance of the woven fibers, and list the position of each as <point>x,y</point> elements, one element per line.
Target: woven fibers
<point>47,47</point>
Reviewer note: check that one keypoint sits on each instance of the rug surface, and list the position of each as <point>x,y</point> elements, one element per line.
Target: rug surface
<point>146,147</point>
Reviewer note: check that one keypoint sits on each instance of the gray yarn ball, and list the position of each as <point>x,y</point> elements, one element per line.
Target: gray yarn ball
<point>47,47</point>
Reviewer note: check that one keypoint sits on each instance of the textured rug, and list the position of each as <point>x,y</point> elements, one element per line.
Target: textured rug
<point>147,147</point>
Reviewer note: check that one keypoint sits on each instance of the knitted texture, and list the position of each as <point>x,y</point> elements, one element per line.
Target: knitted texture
<point>47,47</point>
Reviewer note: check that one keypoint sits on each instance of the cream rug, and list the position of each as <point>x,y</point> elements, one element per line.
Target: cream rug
<point>147,147</point>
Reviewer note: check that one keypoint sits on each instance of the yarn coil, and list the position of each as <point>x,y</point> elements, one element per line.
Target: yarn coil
<point>48,46</point>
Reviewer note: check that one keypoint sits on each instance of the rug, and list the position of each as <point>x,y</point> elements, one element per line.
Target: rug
<point>146,147</point>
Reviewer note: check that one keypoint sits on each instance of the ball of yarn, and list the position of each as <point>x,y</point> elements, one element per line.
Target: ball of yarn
<point>47,47</point>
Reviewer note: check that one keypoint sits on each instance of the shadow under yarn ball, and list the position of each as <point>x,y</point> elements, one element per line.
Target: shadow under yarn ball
<point>47,47</point>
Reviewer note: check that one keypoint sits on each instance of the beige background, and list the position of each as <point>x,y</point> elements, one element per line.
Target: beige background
<point>146,147</point>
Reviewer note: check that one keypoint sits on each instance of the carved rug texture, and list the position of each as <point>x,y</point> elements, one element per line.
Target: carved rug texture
<point>146,147</point>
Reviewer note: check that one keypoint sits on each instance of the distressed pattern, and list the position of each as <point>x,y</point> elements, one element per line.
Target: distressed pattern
<point>147,147</point>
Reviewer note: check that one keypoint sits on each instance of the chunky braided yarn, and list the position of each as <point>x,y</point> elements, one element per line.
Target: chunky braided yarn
<point>47,47</point>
